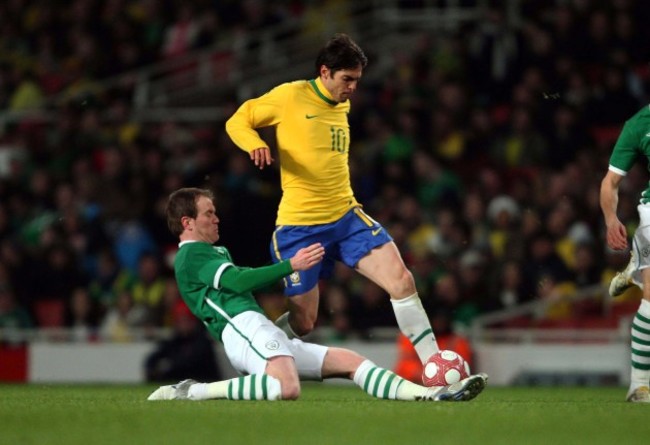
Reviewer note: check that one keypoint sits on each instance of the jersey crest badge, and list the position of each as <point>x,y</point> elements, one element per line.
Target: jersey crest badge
<point>295,278</point>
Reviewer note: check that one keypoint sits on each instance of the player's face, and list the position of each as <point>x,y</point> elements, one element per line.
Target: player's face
<point>205,227</point>
<point>342,83</point>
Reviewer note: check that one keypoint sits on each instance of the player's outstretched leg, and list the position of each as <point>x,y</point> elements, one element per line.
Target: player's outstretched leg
<point>250,387</point>
<point>623,280</point>
<point>385,384</point>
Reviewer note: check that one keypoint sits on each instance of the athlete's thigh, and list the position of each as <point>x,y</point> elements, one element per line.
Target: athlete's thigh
<point>305,304</point>
<point>641,240</point>
<point>384,265</point>
<point>250,340</point>
<point>309,359</point>
<point>287,240</point>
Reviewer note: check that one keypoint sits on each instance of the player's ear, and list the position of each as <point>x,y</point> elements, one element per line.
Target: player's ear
<point>324,71</point>
<point>186,222</point>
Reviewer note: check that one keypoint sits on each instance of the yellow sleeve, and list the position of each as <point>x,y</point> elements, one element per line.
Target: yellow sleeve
<point>260,112</point>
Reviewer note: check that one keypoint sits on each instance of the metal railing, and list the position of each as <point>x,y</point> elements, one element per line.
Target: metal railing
<point>483,326</point>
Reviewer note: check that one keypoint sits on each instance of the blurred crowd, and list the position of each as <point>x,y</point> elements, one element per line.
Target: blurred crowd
<point>481,150</point>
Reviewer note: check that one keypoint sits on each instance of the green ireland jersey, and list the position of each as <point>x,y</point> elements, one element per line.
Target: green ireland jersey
<point>632,143</point>
<point>199,268</point>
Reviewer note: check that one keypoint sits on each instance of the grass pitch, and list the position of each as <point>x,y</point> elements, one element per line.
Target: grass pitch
<point>325,414</point>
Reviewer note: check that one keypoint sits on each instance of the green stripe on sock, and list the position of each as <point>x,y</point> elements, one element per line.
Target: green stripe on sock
<point>253,387</point>
<point>421,336</point>
<point>639,341</point>
<point>230,390</point>
<point>264,392</point>
<point>379,377</point>
<point>367,382</point>
<point>641,353</point>
<point>240,393</point>
<point>640,366</point>
<point>642,318</point>
<point>388,383</point>
<point>640,329</point>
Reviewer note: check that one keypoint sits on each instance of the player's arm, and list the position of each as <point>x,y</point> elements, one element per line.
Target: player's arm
<point>263,111</point>
<point>248,280</point>
<point>616,232</point>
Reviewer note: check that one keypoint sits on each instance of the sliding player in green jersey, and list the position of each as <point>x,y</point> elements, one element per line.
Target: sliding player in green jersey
<point>318,205</point>
<point>633,144</point>
<point>218,292</point>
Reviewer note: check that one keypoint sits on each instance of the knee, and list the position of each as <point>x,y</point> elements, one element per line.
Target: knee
<point>283,369</point>
<point>303,325</point>
<point>290,389</point>
<point>403,285</point>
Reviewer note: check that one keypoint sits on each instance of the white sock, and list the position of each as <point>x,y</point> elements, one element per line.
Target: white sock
<point>250,387</point>
<point>283,323</point>
<point>640,374</point>
<point>414,324</point>
<point>385,384</point>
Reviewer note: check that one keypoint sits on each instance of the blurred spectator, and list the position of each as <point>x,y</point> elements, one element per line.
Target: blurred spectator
<point>189,353</point>
<point>123,320</point>
<point>149,288</point>
<point>613,103</point>
<point>436,186</point>
<point>544,264</point>
<point>522,146</point>
<point>132,241</point>
<point>495,51</point>
<point>370,308</point>
<point>503,214</point>
<point>585,268</point>
<point>13,318</point>
<point>109,280</point>
<point>473,274</point>
<point>27,95</point>
<point>337,305</point>
<point>509,288</point>
<point>555,296</point>
<point>181,35</point>
<point>82,317</point>
<point>58,275</point>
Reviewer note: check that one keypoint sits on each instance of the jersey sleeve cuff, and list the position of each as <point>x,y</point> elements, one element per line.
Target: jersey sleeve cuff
<point>617,170</point>
<point>217,276</point>
<point>286,264</point>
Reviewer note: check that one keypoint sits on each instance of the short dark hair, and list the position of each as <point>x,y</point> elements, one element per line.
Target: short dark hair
<point>182,203</point>
<point>340,53</point>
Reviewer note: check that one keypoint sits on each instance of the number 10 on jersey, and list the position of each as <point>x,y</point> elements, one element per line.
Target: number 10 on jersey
<point>339,139</point>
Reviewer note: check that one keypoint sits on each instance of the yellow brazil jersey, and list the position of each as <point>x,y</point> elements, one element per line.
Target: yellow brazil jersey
<point>313,139</point>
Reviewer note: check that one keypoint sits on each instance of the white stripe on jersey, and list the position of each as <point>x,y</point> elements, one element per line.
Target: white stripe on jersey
<point>217,276</point>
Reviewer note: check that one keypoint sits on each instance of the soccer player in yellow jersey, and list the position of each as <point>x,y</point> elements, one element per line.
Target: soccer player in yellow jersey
<point>318,205</point>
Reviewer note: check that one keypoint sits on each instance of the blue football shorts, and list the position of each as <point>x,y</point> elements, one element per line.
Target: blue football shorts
<point>347,240</point>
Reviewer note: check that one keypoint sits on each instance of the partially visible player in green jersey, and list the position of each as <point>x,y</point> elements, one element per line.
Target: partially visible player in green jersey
<point>633,144</point>
<point>318,205</point>
<point>219,293</point>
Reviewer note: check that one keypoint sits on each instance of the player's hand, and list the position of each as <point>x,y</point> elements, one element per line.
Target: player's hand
<point>308,257</point>
<point>617,236</point>
<point>261,157</point>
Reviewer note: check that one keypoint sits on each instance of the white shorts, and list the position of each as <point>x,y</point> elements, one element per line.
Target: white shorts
<point>250,339</point>
<point>641,243</point>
